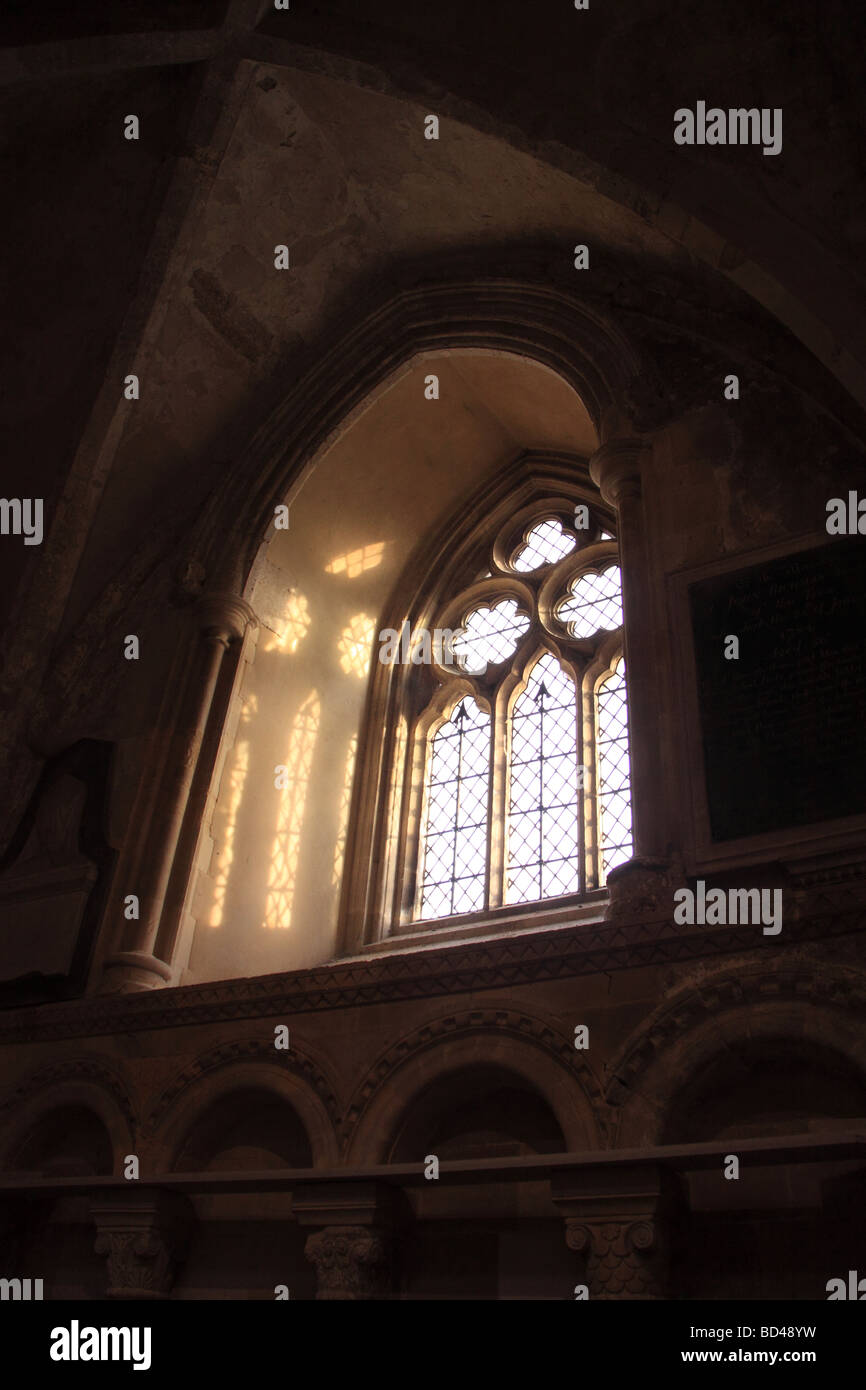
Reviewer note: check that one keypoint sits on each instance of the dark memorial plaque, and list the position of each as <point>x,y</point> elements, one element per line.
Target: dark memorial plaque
<point>784,727</point>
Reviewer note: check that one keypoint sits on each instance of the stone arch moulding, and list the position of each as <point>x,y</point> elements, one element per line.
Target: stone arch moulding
<point>80,1081</point>
<point>291,1077</point>
<point>525,1045</point>
<point>553,327</point>
<point>617,383</point>
<point>703,222</point>
<point>803,1000</point>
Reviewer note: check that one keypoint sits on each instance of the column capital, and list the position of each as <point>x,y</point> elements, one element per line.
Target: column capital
<point>224,616</point>
<point>352,1262</point>
<point>144,1235</point>
<point>641,1235</point>
<point>615,468</point>
<point>130,972</point>
<point>619,1219</point>
<point>352,1253</point>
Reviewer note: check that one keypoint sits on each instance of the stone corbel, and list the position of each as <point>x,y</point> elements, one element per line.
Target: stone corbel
<point>643,889</point>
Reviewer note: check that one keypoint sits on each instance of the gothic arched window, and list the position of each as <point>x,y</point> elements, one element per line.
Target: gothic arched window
<point>520,789</point>
<point>493,764</point>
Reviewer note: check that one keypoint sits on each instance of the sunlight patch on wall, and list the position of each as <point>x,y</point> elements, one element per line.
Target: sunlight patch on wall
<point>291,625</point>
<point>234,790</point>
<point>236,779</point>
<point>355,645</point>
<point>356,561</point>
<point>345,801</point>
<point>283,868</point>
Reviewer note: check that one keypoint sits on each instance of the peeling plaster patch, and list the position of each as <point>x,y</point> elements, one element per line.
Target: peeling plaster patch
<point>234,323</point>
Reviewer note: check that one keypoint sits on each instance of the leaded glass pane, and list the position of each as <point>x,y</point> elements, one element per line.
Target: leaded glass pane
<point>491,635</point>
<point>614,778</point>
<point>595,604</point>
<point>454,847</point>
<point>543,846</point>
<point>545,544</point>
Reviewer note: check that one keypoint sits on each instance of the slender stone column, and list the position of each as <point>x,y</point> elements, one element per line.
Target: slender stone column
<point>620,1221</point>
<point>616,471</point>
<point>222,620</point>
<point>353,1250</point>
<point>144,1236</point>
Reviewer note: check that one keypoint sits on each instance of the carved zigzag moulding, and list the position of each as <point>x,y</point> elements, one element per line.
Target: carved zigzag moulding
<point>558,953</point>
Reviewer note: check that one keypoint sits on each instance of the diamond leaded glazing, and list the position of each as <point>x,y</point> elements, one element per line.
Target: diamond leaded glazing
<point>453,874</point>
<point>518,767</point>
<point>543,850</point>
<point>614,776</point>
<point>594,605</point>
<point>492,635</point>
<point>545,544</point>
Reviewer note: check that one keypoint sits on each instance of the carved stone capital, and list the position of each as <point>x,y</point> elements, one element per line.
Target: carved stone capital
<point>615,468</point>
<point>224,617</point>
<point>643,888</point>
<point>143,1237</point>
<point>618,1218</point>
<point>352,1262</point>
<point>129,972</point>
<point>625,1259</point>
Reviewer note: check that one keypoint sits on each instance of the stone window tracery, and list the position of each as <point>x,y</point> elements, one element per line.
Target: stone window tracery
<point>519,786</point>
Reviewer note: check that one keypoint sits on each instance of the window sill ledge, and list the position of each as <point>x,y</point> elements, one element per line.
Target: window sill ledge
<point>501,921</point>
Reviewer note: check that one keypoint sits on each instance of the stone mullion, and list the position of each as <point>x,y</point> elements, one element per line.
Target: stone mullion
<point>616,468</point>
<point>589,812</point>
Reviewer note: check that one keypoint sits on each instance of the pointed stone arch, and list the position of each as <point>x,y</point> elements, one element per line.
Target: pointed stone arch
<point>547,324</point>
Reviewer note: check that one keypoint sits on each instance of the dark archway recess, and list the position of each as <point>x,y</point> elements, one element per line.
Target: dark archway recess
<point>482,1112</point>
<point>770,1086</point>
<point>248,1128</point>
<point>746,1237</point>
<point>70,1141</point>
<point>477,1112</point>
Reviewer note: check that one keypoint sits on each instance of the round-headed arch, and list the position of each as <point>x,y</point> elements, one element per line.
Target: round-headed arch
<point>223,1077</point>
<point>526,1047</point>
<point>819,1010</point>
